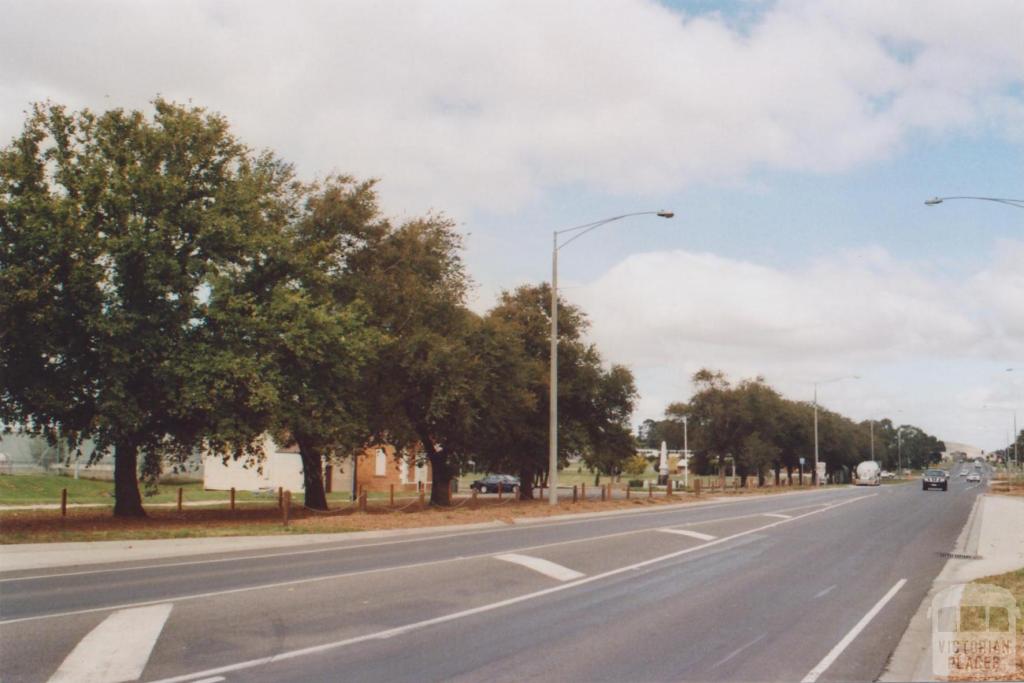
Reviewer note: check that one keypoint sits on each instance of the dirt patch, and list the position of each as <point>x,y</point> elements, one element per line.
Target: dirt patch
<point>41,526</point>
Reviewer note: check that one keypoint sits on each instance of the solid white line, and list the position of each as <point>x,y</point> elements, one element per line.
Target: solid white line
<point>213,679</point>
<point>824,592</point>
<point>738,650</point>
<point>545,567</point>
<point>691,534</point>
<point>834,653</point>
<point>426,536</point>
<point>776,514</point>
<point>415,626</point>
<point>341,575</point>
<point>116,650</point>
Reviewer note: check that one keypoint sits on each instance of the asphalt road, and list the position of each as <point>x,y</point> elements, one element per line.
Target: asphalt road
<point>764,588</point>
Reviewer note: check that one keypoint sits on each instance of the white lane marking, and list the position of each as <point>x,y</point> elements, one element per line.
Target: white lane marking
<point>415,626</point>
<point>213,679</point>
<point>116,650</point>
<point>542,566</point>
<point>681,507</point>
<point>776,514</point>
<point>738,650</point>
<point>822,593</point>
<point>341,575</point>
<point>834,653</point>
<point>691,534</point>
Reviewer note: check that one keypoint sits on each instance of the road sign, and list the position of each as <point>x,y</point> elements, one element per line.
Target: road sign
<point>802,461</point>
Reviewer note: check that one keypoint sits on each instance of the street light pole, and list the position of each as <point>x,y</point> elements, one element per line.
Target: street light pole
<point>899,449</point>
<point>1019,203</point>
<point>814,474</point>
<point>580,230</point>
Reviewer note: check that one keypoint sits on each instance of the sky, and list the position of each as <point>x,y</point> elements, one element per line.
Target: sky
<point>796,142</point>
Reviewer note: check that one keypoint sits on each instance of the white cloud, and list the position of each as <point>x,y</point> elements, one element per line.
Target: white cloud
<point>922,342</point>
<point>470,103</point>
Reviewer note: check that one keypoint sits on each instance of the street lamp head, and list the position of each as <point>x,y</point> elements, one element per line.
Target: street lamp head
<point>666,214</point>
<point>933,201</point>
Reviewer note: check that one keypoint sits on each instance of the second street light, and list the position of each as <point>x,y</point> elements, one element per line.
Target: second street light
<point>1019,203</point>
<point>814,474</point>
<point>579,231</point>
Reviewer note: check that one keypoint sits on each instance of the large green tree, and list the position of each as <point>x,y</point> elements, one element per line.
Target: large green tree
<point>114,227</point>
<point>424,386</point>
<point>595,402</point>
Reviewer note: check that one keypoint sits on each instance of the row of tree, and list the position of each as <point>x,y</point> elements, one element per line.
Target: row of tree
<point>751,424</point>
<point>165,290</point>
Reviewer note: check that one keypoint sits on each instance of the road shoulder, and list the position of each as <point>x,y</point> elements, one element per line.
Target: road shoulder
<point>990,543</point>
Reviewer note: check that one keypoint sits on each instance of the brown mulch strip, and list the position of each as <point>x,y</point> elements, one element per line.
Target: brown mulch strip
<point>83,524</point>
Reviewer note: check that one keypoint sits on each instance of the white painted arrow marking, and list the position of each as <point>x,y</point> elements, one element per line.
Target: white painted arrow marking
<point>692,534</point>
<point>118,649</point>
<point>545,567</point>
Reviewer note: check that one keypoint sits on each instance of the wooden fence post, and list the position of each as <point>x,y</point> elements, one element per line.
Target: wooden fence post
<point>362,501</point>
<point>603,489</point>
<point>628,489</point>
<point>422,492</point>
<point>328,478</point>
<point>181,493</point>
<point>696,487</point>
<point>583,491</point>
<point>63,502</point>
<point>574,493</point>
<point>280,497</point>
<point>286,506</point>
<point>650,489</point>
<point>232,498</point>
<point>668,488</point>
<point>391,495</point>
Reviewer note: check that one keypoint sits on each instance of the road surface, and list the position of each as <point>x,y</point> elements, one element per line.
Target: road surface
<point>815,585</point>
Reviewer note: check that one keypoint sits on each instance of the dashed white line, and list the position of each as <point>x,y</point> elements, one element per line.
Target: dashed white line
<point>542,566</point>
<point>116,650</point>
<point>691,534</point>
<point>825,591</point>
<point>415,626</point>
<point>834,653</point>
<point>735,652</point>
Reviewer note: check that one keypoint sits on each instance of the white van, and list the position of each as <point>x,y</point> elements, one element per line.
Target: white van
<point>868,473</point>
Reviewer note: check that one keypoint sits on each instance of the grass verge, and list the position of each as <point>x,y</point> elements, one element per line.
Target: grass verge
<point>973,619</point>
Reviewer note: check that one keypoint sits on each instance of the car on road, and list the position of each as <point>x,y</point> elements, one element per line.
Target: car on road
<point>973,476</point>
<point>937,479</point>
<point>886,474</point>
<point>492,482</point>
<point>963,472</point>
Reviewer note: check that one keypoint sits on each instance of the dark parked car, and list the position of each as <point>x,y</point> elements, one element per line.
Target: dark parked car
<point>938,479</point>
<point>491,482</point>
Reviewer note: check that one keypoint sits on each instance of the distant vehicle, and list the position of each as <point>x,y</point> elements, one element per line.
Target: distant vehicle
<point>963,472</point>
<point>492,482</point>
<point>886,474</point>
<point>868,473</point>
<point>973,476</point>
<point>935,479</point>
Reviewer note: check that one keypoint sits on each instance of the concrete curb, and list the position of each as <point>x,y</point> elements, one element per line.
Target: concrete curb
<point>912,658</point>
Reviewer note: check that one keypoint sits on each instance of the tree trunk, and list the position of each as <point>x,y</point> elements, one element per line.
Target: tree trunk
<point>778,474</point>
<point>312,475</point>
<point>441,474</point>
<point>525,483</point>
<point>127,500</point>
